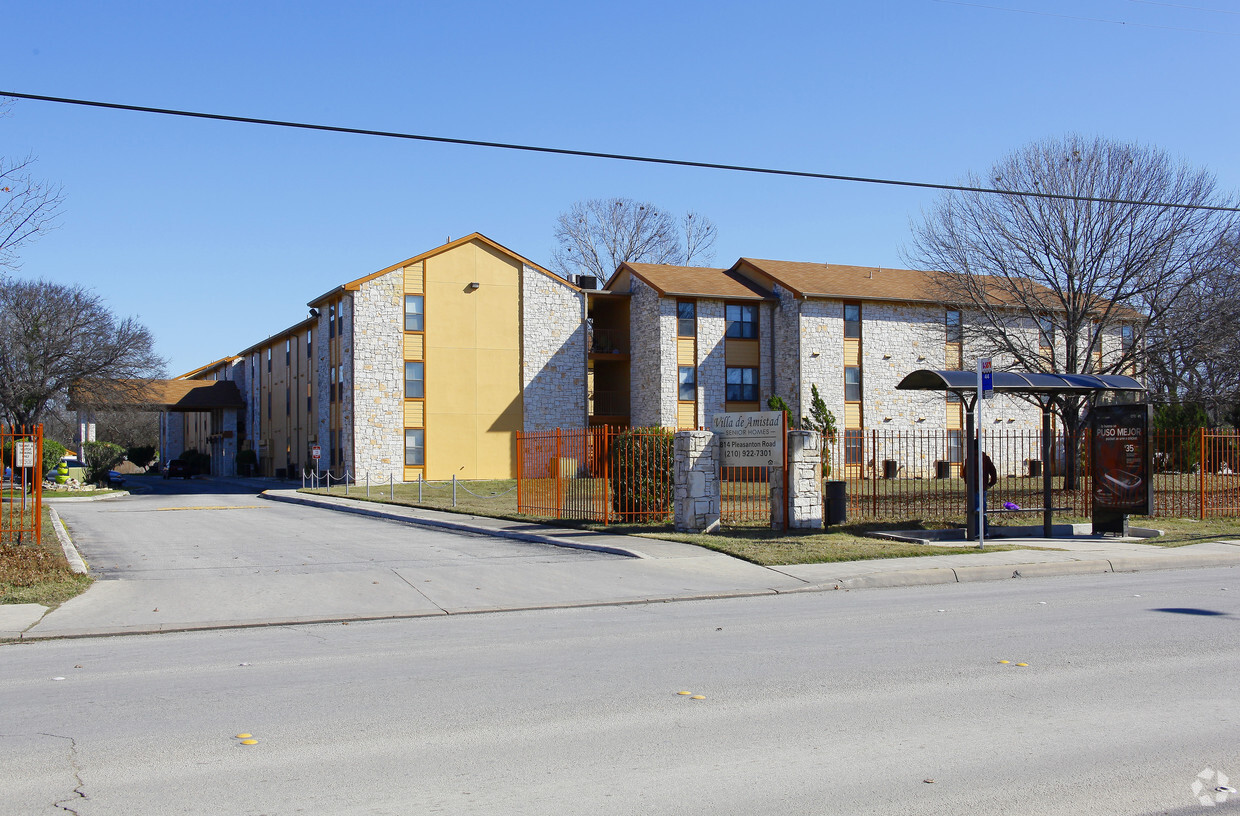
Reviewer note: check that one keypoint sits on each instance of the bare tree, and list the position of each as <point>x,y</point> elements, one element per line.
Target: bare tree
<point>1042,280</point>
<point>53,337</point>
<point>1193,351</point>
<point>28,207</point>
<point>598,235</point>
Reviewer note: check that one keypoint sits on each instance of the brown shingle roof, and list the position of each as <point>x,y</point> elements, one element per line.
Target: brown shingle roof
<point>173,395</point>
<point>697,281</point>
<point>840,281</point>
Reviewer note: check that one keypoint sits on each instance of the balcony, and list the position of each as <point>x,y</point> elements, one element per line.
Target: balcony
<point>609,344</point>
<point>611,406</point>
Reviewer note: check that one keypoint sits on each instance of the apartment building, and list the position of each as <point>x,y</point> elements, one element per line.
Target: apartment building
<point>426,368</point>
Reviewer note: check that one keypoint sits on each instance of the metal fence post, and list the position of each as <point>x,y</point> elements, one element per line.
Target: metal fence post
<point>368,484</point>
<point>420,480</point>
<point>454,490</point>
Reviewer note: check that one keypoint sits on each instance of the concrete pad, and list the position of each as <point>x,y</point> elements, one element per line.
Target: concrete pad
<point>206,602</point>
<point>1176,560</point>
<point>17,618</point>
<point>920,577</point>
<point>489,587</point>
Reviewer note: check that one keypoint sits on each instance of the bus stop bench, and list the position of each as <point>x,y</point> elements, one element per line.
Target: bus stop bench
<point>1027,510</point>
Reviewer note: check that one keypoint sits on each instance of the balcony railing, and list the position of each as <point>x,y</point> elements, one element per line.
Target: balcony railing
<point>609,341</point>
<point>609,403</point>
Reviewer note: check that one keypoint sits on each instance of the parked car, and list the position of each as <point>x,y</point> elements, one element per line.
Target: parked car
<point>177,467</point>
<point>115,480</point>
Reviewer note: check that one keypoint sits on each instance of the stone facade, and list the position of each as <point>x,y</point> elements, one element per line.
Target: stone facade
<point>322,399</point>
<point>696,482</point>
<point>375,376</point>
<point>344,325</point>
<point>553,353</point>
<point>804,480</point>
<point>652,332</point>
<point>711,368</point>
<point>821,331</point>
<point>897,339</point>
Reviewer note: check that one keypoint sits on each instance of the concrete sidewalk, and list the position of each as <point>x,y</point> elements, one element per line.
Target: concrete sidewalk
<point>629,570</point>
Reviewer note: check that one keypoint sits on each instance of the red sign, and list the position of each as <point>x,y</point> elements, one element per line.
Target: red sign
<point>316,452</point>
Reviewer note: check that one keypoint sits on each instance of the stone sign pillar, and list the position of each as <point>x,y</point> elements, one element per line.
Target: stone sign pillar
<point>696,482</point>
<point>804,480</point>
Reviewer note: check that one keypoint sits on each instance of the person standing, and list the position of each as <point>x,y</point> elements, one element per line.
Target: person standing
<point>990,477</point>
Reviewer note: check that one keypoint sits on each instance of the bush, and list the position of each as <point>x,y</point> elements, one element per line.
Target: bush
<point>141,455</point>
<point>100,458</point>
<point>642,471</point>
<point>53,451</point>
<point>195,461</point>
<point>1178,446</point>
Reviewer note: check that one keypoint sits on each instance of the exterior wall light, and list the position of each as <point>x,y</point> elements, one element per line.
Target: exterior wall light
<point>474,285</point>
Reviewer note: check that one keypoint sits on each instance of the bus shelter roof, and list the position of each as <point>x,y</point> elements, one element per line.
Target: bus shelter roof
<point>1015,382</point>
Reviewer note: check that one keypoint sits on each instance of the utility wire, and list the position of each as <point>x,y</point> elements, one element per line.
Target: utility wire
<point>616,156</point>
<point>1089,19</point>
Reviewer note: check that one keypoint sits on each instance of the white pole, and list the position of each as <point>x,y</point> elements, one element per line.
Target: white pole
<point>979,472</point>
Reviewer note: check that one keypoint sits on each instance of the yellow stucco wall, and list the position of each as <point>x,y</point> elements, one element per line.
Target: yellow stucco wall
<point>473,363</point>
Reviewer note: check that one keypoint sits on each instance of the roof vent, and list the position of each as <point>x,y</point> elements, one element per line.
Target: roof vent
<point>587,281</point>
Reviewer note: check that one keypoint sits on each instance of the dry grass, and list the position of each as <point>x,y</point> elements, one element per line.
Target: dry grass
<point>38,572</point>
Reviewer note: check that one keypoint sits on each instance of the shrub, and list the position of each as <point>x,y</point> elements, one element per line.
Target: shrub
<point>195,461</point>
<point>141,455</point>
<point>53,451</point>
<point>642,471</point>
<point>100,458</point>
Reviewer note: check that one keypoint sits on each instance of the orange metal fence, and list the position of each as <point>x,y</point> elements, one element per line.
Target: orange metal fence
<point>21,485</point>
<point>895,475</point>
<point>611,475</point>
<point>601,474</point>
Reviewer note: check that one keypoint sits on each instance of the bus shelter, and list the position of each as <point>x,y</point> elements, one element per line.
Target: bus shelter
<point>1045,389</point>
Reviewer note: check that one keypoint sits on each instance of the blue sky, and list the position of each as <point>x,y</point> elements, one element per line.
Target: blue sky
<point>216,234</point>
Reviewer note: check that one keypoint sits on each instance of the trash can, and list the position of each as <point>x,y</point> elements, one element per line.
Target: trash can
<point>1035,468</point>
<point>942,469</point>
<point>890,468</point>
<point>835,503</point>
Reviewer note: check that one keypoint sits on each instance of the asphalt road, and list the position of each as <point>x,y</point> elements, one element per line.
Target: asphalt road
<point>868,702</point>
<point>192,528</point>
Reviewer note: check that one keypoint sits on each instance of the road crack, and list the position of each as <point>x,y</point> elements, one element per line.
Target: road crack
<point>78,793</point>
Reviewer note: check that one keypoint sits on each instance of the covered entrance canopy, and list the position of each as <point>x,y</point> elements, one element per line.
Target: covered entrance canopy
<point>1045,388</point>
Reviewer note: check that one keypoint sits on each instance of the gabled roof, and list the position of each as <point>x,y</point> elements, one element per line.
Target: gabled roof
<point>278,336</point>
<point>354,285</point>
<point>207,367</point>
<point>840,281</point>
<point>695,281</point>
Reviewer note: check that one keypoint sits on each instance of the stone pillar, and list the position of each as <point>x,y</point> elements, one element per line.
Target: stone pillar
<point>696,482</point>
<point>804,480</point>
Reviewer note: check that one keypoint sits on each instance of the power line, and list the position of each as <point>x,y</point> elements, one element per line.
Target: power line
<point>1089,19</point>
<point>616,156</point>
<point>1184,6</point>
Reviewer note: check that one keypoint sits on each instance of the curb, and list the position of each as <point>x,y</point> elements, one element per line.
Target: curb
<point>76,564</point>
<point>67,499</point>
<point>457,526</point>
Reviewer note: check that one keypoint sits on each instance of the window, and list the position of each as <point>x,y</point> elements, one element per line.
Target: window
<point>742,385</point>
<point>331,389</point>
<point>742,321</point>
<point>688,383</point>
<point>413,381</point>
<point>415,448</point>
<point>852,320</point>
<point>288,351</point>
<point>309,412</point>
<point>1127,336</point>
<point>309,343</point>
<point>268,359</point>
<point>686,318</point>
<point>955,446</point>
<point>340,383</point>
<point>854,447</point>
<point>269,405</point>
<point>1046,333</point>
<point>288,401</point>
<point>413,313</point>
<point>331,321</point>
<point>852,383</point>
<point>955,331</point>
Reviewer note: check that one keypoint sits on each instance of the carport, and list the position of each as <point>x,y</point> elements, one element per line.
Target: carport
<point>1045,389</point>
<point>221,399</point>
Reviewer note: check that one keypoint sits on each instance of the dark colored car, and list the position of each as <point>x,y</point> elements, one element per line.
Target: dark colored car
<point>176,467</point>
<point>115,480</point>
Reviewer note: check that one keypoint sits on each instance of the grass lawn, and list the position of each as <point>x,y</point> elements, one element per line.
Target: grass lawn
<point>37,572</point>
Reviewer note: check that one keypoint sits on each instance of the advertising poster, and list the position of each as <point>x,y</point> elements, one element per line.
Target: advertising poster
<point>1121,459</point>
